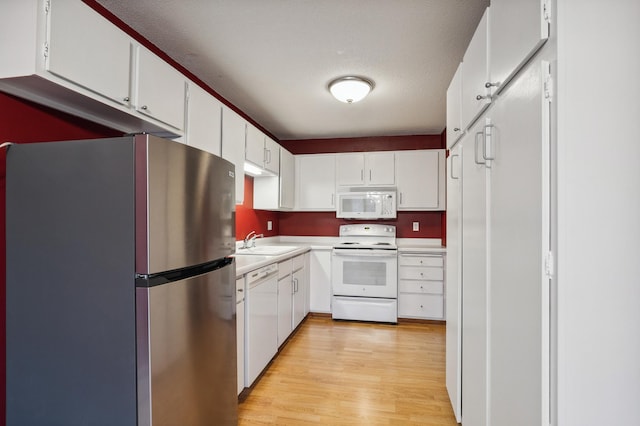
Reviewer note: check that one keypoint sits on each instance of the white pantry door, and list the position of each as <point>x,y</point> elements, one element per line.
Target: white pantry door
<point>518,327</point>
<point>474,278</point>
<point>454,277</point>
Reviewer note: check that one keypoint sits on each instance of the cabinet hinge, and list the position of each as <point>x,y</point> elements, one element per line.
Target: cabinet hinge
<point>546,11</point>
<point>548,86</point>
<point>549,265</point>
<point>45,49</point>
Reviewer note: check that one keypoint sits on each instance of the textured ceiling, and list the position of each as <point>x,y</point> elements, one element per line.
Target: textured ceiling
<point>273,59</point>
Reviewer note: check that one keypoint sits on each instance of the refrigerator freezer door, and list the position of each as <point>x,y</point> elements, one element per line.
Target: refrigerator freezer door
<point>185,206</point>
<point>71,344</point>
<point>190,328</point>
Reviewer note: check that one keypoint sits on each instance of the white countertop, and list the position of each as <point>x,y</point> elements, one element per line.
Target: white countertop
<point>249,262</point>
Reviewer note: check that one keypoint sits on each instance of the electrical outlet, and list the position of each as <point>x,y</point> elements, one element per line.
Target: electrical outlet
<point>269,225</point>
<point>416,226</point>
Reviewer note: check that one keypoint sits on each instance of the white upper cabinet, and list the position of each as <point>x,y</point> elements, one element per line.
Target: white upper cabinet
<point>204,121</point>
<point>315,182</point>
<point>254,150</point>
<point>508,35</point>
<point>287,179</point>
<point>420,179</point>
<point>454,110</point>
<point>86,49</point>
<point>276,192</point>
<point>262,151</point>
<point>475,74</point>
<point>72,59</point>
<point>365,168</point>
<point>272,155</point>
<point>160,90</point>
<point>233,142</point>
<point>517,29</point>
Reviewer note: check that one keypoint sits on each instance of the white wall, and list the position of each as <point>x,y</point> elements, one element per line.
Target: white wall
<point>598,141</point>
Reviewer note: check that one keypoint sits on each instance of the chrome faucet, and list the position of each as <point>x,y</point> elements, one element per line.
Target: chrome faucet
<point>250,239</point>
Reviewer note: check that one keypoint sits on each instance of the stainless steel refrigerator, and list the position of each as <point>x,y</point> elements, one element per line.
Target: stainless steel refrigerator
<point>120,288</point>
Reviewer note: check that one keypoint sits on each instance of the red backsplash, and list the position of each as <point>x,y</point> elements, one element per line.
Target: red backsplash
<point>326,224</point>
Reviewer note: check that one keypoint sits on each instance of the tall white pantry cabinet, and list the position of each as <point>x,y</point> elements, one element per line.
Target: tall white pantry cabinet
<point>543,297</point>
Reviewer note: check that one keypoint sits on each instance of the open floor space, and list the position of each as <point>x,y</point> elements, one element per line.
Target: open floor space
<point>351,373</point>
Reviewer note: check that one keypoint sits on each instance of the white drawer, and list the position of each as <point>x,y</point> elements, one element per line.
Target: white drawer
<point>421,287</point>
<point>298,262</point>
<point>284,268</point>
<point>421,273</point>
<point>414,260</point>
<point>425,306</point>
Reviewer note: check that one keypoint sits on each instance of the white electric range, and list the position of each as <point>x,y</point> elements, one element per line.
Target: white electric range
<point>365,273</point>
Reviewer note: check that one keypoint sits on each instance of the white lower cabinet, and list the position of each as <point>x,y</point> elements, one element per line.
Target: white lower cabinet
<point>421,285</point>
<point>285,302</point>
<point>320,280</point>
<point>292,290</point>
<point>299,284</point>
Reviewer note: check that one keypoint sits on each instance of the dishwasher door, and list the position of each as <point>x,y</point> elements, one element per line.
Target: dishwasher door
<point>262,320</point>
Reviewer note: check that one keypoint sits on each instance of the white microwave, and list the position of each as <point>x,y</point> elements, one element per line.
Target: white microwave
<point>366,205</point>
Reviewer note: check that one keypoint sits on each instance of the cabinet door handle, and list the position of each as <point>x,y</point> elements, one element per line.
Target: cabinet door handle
<point>264,155</point>
<point>126,99</point>
<point>144,107</point>
<point>451,171</point>
<point>489,84</point>
<point>401,198</point>
<point>487,142</point>
<point>480,97</point>
<point>475,149</point>
<point>361,175</point>
<point>333,196</point>
<point>456,129</point>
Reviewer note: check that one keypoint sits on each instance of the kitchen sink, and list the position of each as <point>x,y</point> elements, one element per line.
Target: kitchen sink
<point>265,250</point>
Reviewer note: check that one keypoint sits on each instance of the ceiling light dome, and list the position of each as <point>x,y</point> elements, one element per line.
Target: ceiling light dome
<point>350,89</point>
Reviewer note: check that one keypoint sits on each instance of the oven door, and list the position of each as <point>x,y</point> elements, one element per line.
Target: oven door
<point>367,273</point>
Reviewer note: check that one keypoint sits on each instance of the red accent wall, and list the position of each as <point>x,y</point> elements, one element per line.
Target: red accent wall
<point>326,224</point>
<point>248,219</point>
<point>372,143</point>
<point>23,122</point>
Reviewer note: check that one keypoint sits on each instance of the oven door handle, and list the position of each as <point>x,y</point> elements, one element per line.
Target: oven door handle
<point>392,254</point>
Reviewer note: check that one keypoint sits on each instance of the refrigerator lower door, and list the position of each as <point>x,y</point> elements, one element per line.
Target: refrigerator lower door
<point>186,332</point>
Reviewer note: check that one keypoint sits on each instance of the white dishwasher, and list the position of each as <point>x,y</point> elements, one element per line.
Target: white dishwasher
<point>262,320</point>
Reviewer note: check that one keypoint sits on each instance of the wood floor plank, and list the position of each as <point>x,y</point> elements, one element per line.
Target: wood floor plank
<point>351,373</point>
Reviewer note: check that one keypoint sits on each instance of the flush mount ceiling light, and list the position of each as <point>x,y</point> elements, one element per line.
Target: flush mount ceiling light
<point>350,89</point>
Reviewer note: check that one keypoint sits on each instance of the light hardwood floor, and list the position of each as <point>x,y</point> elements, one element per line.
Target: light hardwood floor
<point>351,373</point>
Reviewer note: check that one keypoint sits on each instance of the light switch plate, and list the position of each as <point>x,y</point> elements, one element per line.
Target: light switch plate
<point>269,225</point>
<point>416,226</point>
